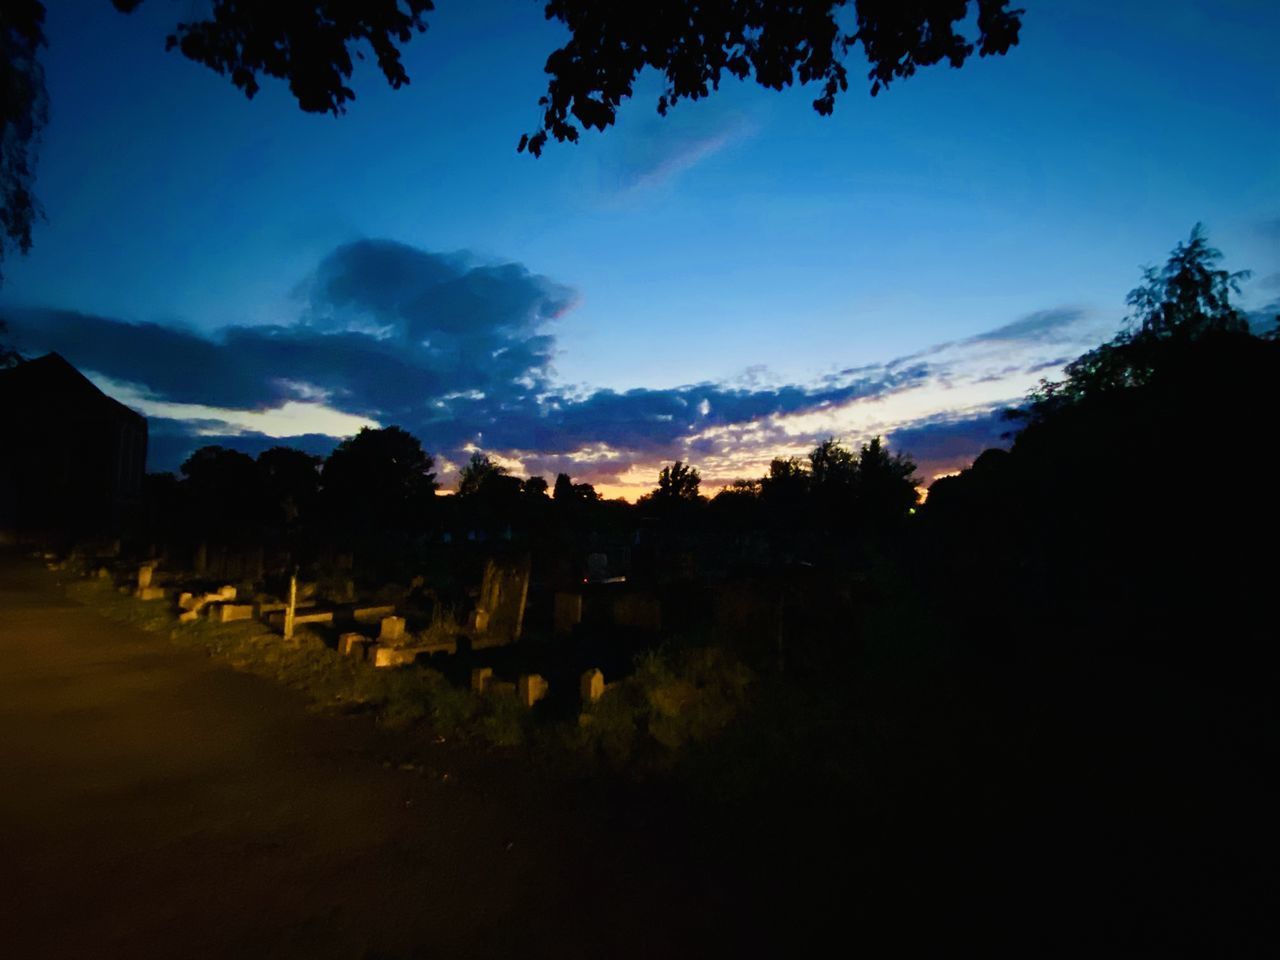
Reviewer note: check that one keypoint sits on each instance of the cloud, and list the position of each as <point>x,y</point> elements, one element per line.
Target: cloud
<point>1265,319</point>
<point>654,151</point>
<point>944,444</point>
<point>386,330</point>
<point>459,352</point>
<point>1039,327</point>
<point>456,351</point>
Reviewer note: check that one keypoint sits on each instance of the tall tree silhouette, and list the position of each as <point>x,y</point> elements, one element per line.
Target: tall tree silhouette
<point>378,481</point>
<point>291,485</point>
<point>1124,507</point>
<point>224,494</point>
<point>1179,302</point>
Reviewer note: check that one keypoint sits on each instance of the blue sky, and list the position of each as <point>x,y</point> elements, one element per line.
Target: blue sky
<point>735,281</point>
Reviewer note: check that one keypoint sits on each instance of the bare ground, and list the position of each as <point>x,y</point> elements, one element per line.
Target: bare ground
<point>156,803</point>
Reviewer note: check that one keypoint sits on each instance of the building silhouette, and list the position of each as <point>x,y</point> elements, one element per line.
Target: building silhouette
<point>72,459</point>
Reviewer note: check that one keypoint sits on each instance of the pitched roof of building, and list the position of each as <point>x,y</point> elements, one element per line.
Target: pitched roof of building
<point>49,387</point>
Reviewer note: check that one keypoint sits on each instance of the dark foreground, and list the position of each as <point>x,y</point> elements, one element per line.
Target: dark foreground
<point>155,803</point>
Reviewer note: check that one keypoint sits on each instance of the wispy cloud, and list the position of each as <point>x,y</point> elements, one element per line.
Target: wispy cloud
<point>650,153</point>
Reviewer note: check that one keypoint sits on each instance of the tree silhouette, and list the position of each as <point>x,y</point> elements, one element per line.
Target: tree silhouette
<point>787,482</point>
<point>223,492</point>
<point>9,357</point>
<point>311,45</point>
<point>1124,507</point>
<point>308,44</point>
<point>566,491</point>
<point>678,482</point>
<point>1188,296</point>
<point>833,468</point>
<point>378,481</point>
<point>694,45</point>
<point>23,113</point>
<point>1186,299</point>
<point>480,475</point>
<point>291,484</point>
<point>886,484</point>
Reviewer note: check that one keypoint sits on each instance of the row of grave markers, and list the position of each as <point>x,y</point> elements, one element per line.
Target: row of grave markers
<point>532,687</point>
<point>388,650</point>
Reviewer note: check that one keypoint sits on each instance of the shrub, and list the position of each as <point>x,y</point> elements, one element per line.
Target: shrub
<point>669,703</point>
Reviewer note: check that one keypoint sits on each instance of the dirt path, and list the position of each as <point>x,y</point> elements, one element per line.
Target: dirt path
<point>155,803</point>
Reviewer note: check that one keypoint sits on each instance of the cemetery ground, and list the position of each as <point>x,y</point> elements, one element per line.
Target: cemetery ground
<point>158,803</point>
<point>930,791</point>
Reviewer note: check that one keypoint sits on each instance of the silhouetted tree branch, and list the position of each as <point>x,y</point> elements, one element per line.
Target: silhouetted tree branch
<point>310,44</point>
<point>778,42</point>
<point>23,113</point>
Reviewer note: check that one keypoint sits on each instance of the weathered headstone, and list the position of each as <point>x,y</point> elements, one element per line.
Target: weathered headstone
<point>150,593</point>
<point>352,645</point>
<point>531,687</point>
<point>591,686</point>
<point>384,656</point>
<point>568,613</point>
<point>392,630</point>
<point>372,614</point>
<point>145,573</point>
<point>230,612</point>
<point>500,609</point>
<point>481,678</point>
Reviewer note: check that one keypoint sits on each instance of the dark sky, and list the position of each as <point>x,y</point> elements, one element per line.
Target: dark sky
<point>725,285</point>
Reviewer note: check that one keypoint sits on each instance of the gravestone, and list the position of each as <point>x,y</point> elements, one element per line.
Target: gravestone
<point>531,687</point>
<point>392,630</point>
<point>352,645</point>
<point>384,656</point>
<point>499,616</point>
<point>145,573</point>
<point>568,613</point>
<point>230,612</point>
<point>591,686</point>
<point>373,614</point>
<point>481,678</point>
